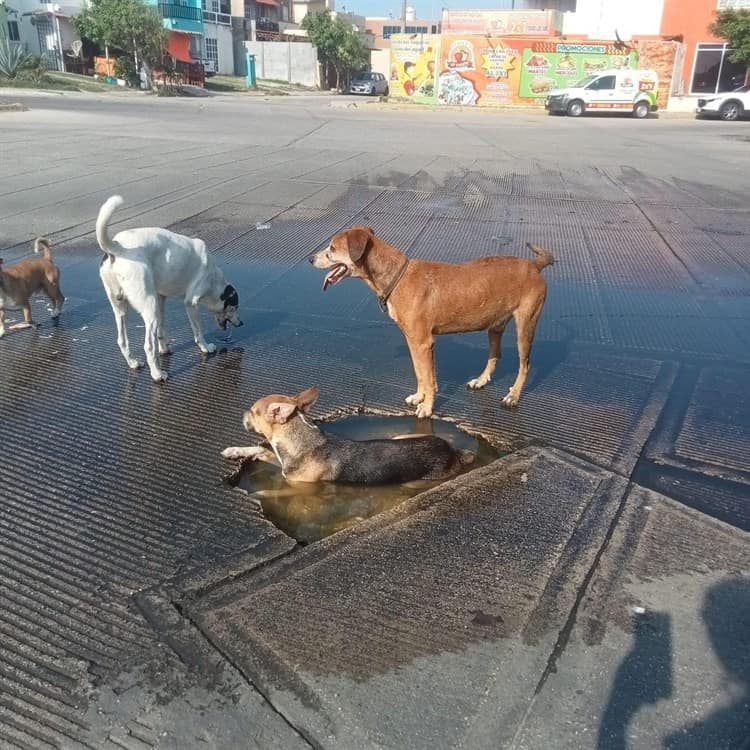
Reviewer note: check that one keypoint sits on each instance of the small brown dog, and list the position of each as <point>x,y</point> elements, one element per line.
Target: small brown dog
<point>20,281</point>
<point>427,298</point>
<point>307,454</point>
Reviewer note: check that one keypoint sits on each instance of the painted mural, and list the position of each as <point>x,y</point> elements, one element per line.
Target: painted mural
<point>547,66</point>
<point>483,71</point>
<point>414,67</point>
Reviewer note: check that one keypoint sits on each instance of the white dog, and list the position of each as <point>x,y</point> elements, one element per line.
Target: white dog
<point>145,266</point>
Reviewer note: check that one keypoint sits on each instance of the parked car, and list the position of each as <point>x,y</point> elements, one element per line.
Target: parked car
<point>621,90</point>
<point>730,106</point>
<point>371,84</point>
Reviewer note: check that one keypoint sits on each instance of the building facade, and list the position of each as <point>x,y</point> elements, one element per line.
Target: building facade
<point>703,66</point>
<point>707,68</point>
<point>218,40</point>
<point>44,29</point>
<point>184,21</point>
<point>383,28</point>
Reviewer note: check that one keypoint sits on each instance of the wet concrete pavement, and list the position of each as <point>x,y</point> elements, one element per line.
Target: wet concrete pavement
<point>145,603</point>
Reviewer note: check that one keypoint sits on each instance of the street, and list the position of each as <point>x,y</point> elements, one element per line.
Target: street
<point>588,589</point>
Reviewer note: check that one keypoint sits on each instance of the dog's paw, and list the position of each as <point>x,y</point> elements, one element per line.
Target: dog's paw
<point>235,453</point>
<point>477,383</point>
<point>207,348</point>
<point>232,454</point>
<point>424,411</point>
<point>165,351</point>
<point>159,376</point>
<point>136,364</point>
<point>510,400</point>
<point>414,399</point>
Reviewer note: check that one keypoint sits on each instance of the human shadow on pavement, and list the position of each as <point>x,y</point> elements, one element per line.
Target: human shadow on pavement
<point>726,613</point>
<point>644,677</point>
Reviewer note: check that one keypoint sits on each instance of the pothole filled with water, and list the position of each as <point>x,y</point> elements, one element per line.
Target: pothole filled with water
<point>310,512</point>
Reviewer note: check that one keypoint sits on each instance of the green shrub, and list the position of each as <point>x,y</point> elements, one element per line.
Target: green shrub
<point>125,69</point>
<point>34,70</point>
<point>13,58</point>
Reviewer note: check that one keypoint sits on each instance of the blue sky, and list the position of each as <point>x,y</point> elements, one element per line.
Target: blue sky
<point>427,9</point>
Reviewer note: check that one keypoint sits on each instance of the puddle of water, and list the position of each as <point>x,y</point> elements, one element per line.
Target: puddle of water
<point>310,512</point>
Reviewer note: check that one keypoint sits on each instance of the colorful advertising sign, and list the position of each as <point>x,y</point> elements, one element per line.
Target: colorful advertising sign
<point>414,67</point>
<point>479,71</point>
<point>501,22</point>
<point>547,66</point>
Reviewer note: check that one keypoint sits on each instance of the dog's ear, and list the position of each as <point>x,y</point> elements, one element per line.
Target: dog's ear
<point>358,241</point>
<point>280,412</point>
<point>306,399</point>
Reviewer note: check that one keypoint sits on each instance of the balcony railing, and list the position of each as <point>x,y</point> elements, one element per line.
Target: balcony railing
<point>175,10</point>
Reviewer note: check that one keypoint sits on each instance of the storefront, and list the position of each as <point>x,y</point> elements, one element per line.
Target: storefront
<point>707,68</point>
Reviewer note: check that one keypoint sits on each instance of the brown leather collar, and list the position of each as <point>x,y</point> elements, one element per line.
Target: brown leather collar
<point>383,298</point>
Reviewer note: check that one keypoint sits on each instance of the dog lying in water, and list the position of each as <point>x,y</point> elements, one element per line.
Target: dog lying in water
<point>305,453</point>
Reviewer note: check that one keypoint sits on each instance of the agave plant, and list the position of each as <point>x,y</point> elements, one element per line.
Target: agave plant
<point>13,58</point>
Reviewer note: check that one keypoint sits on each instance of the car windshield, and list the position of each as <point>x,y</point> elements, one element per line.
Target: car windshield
<point>366,77</point>
<point>585,81</point>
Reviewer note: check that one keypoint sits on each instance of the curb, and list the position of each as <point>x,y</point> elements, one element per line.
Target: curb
<point>12,107</point>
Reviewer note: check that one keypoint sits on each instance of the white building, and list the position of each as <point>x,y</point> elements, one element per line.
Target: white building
<point>600,19</point>
<point>46,29</point>
<point>218,40</point>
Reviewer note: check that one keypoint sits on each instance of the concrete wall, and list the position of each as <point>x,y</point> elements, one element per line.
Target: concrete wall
<point>223,36</point>
<point>294,62</point>
<point>599,19</point>
<point>380,61</point>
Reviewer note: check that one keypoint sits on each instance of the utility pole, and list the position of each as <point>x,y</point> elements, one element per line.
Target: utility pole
<point>403,16</point>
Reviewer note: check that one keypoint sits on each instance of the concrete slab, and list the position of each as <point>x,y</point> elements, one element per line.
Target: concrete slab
<point>430,625</point>
<point>659,656</point>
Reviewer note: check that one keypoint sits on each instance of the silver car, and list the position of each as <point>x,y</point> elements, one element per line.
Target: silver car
<point>371,84</point>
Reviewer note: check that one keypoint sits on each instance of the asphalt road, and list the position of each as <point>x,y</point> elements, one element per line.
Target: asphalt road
<point>589,589</point>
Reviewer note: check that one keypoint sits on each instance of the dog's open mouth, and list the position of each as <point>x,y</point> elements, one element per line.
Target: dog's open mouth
<point>338,272</point>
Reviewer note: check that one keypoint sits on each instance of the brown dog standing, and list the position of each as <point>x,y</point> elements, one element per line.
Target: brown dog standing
<point>20,281</point>
<point>427,298</point>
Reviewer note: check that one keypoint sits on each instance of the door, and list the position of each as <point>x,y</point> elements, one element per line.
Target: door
<point>602,92</point>
<point>45,30</point>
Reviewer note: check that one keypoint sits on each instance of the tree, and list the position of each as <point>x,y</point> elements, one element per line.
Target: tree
<point>353,55</point>
<point>337,42</point>
<point>129,25</point>
<point>734,26</point>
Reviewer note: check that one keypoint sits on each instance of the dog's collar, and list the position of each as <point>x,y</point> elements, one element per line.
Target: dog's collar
<point>383,298</point>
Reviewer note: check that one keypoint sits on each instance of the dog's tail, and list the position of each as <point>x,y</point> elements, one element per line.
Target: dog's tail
<point>544,257</point>
<point>102,225</point>
<point>42,245</point>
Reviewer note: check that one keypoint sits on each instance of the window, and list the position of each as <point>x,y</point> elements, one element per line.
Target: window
<point>212,49</point>
<point>714,72</point>
<point>605,83</point>
<point>389,30</point>
<point>416,29</point>
<point>13,34</point>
